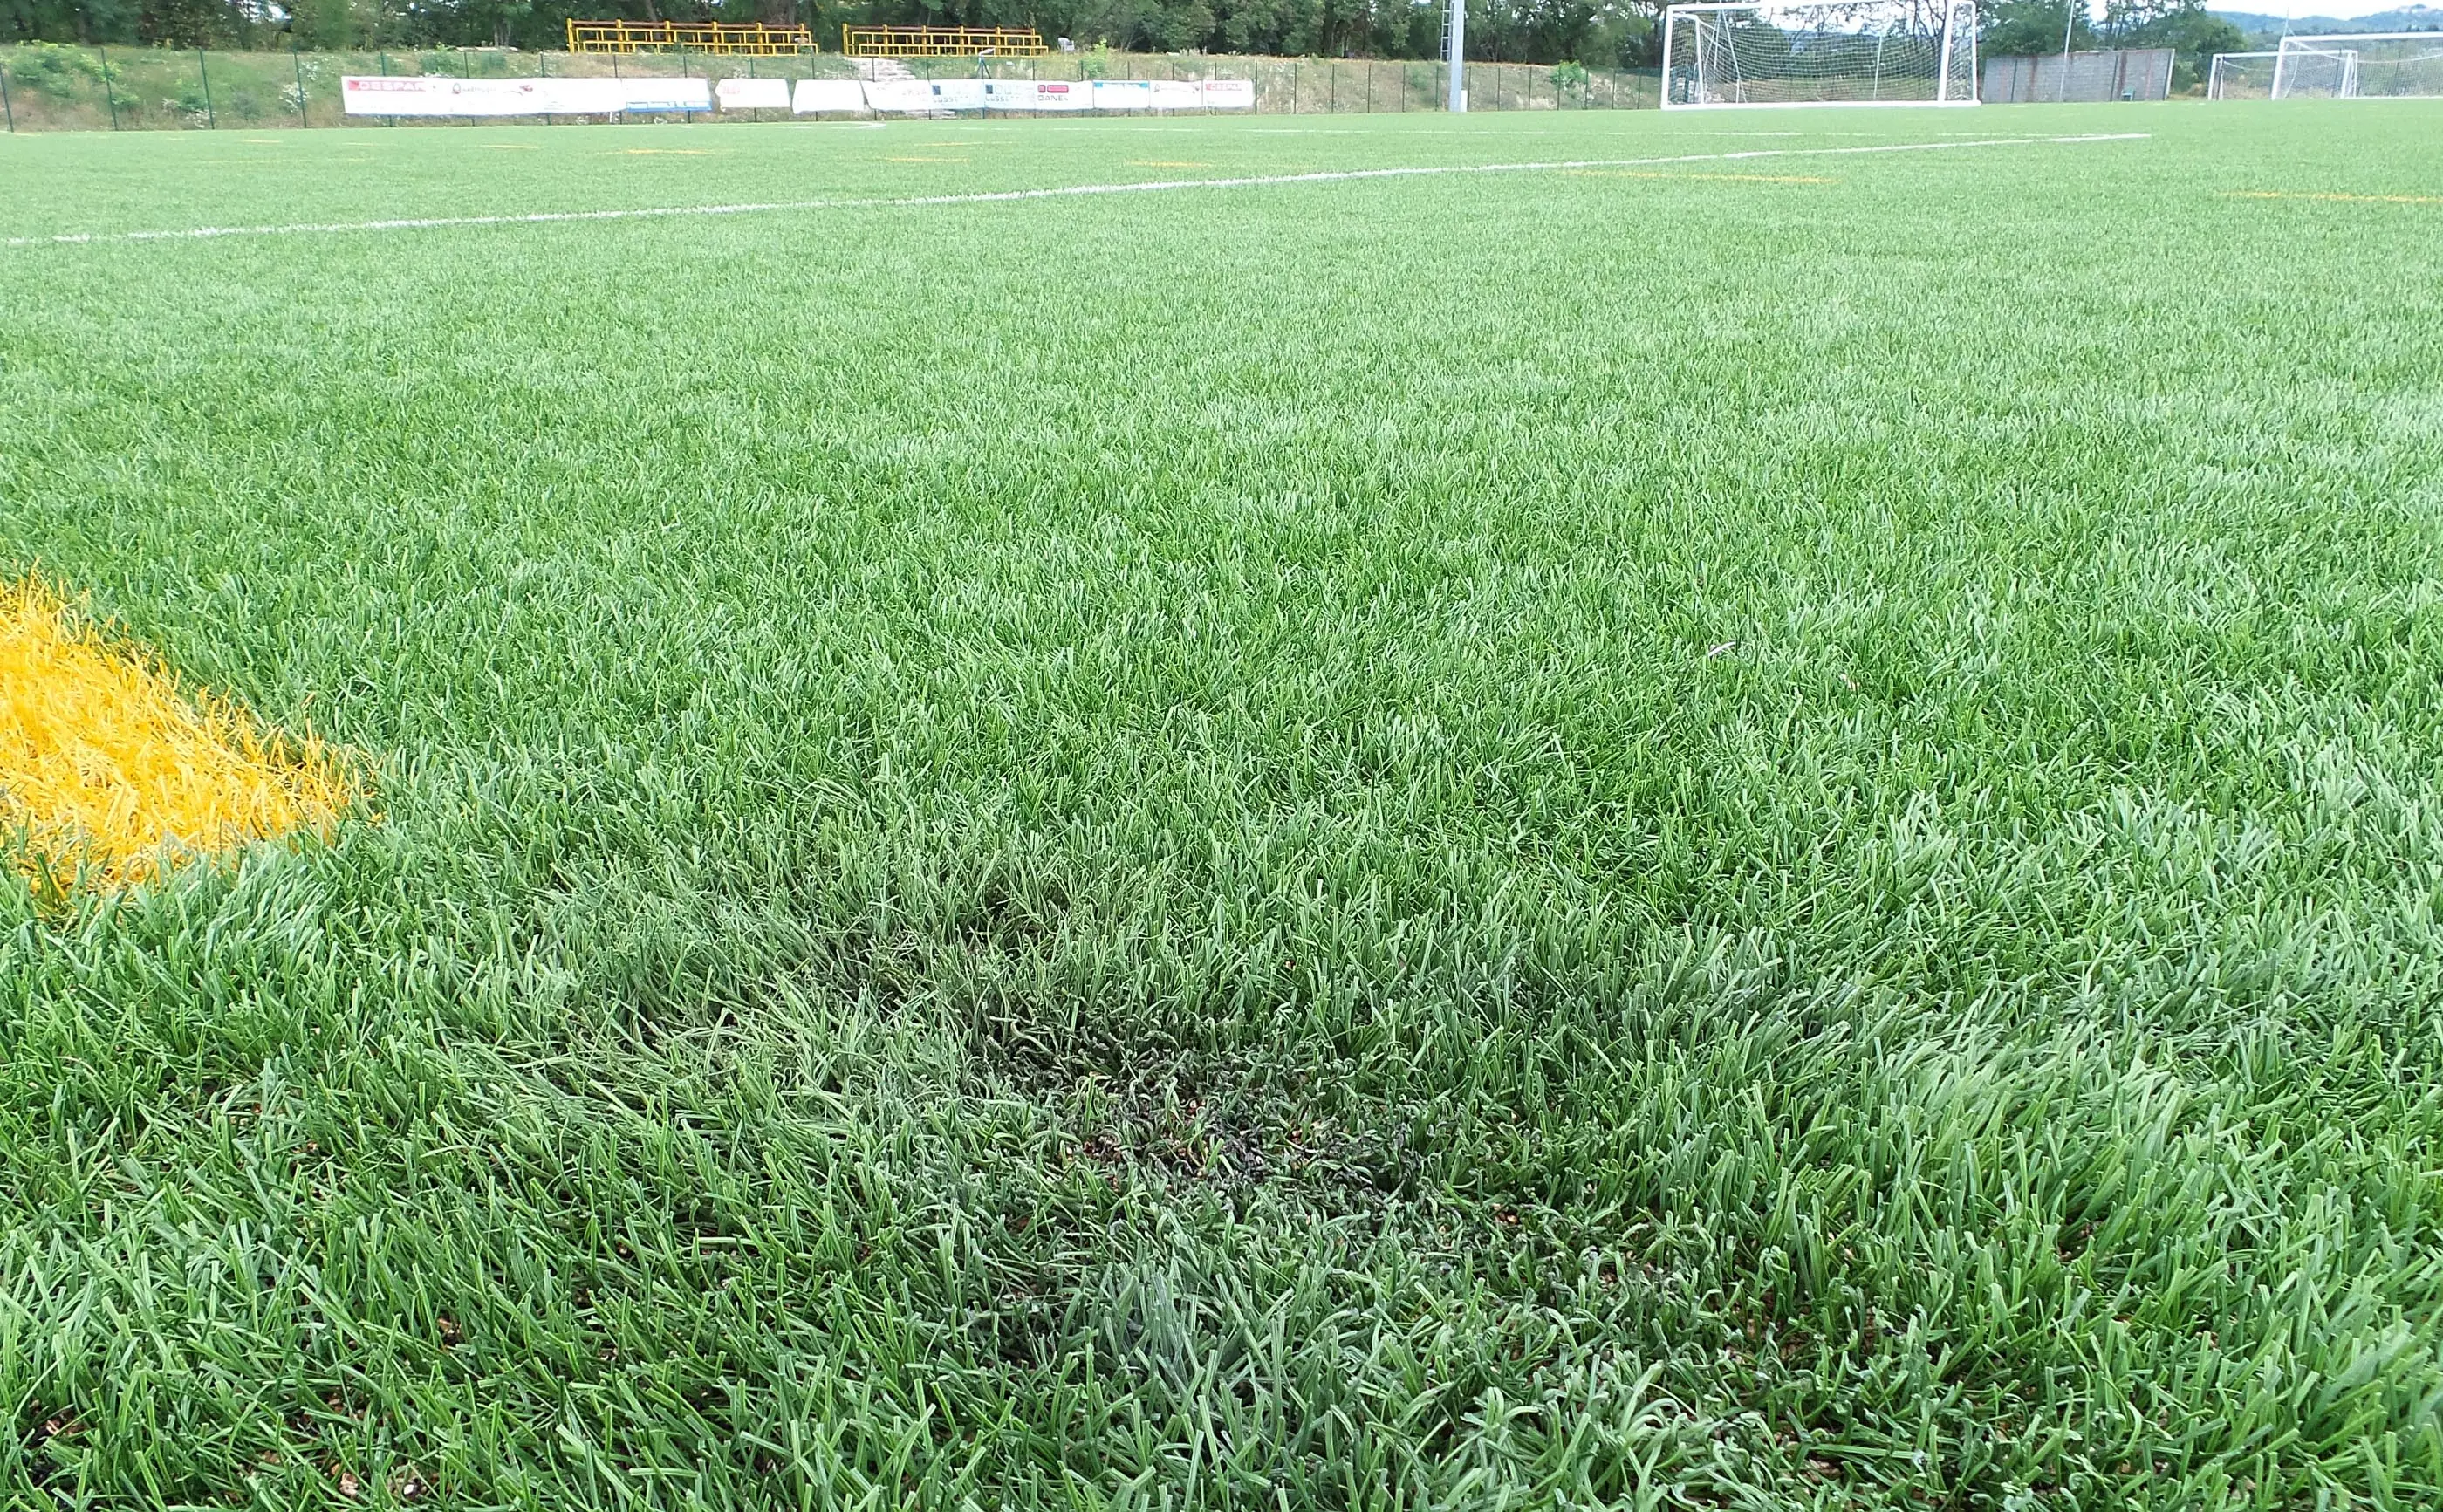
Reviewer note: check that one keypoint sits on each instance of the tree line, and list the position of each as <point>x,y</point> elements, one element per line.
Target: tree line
<point>1604,33</point>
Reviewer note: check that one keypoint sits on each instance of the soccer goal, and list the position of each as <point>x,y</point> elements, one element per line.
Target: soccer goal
<point>2368,65</point>
<point>2241,76</point>
<point>1845,52</point>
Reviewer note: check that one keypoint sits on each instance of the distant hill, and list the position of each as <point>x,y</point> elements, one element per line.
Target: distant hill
<point>2408,18</point>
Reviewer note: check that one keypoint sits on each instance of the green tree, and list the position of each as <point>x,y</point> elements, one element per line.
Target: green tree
<point>2020,29</point>
<point>2193,35</point>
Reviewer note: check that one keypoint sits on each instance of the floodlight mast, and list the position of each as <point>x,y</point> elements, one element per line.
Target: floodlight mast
<point>1457,30</point>
<point>2069,23</point>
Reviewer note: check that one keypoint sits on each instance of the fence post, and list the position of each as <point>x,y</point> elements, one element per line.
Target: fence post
<point>204,72</point>
<point>6,107</point>
<point>298,64</point>
<point>109,95</point>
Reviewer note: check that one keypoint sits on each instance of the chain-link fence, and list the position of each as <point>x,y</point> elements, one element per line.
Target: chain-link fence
<point>1308,87</point>
<point>47,86</point>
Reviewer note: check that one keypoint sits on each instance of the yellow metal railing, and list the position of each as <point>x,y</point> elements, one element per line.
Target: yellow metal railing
<point>695,36</point>
<point>941,42</point>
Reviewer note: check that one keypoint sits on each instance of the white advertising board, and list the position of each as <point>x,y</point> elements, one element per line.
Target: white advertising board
<point>1123,94</point>
<point>752,94</point>
<point>437,95</point>
<point>1117,94</point>
<point>666,94</point>
<point>1026,94</point>
<point>918,97</point>
<point>827,96</point>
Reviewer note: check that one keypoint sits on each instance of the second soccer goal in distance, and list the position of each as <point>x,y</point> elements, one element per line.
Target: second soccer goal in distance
<point>1876,52</point>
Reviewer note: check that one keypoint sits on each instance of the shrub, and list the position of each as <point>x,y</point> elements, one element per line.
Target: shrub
<point>191,102</point>
<point>51,68</point>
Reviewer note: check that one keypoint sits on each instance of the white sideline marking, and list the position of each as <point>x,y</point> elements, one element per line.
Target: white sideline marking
<point>997,196</point>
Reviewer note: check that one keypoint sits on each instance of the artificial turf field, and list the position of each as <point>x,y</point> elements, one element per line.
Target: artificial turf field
<point>1752,831</point>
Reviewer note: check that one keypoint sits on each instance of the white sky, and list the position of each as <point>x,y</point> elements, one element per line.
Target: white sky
<point>2345,9</point>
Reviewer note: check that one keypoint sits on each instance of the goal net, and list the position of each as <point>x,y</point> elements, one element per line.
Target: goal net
<point>1864,52</point>
<point>2371,66</point>
<point>2241,76</point>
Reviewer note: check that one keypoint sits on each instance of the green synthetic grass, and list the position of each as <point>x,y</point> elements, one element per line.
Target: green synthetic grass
<point>1661,835</point>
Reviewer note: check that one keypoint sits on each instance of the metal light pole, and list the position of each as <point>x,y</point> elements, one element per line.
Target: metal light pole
<point>1459,56</point>
<point>298,64</point>
<point>2069,23</point>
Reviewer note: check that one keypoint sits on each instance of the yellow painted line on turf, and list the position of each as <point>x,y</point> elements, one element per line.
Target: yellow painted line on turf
<point>661,151</point>
<point>1164,162</point>
<point>997,197</point>
<point>110,767</point>
<point>2335,198</point>
<point>923,159</point>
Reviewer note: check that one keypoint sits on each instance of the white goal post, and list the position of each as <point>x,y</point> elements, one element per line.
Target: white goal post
<point>1838,52</point>
<point>2360,66</point>
<point>2241,76</point>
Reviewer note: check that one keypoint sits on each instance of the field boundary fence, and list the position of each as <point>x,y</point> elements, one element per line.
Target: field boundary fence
<point>50,86</point>
<point>2119,73</point>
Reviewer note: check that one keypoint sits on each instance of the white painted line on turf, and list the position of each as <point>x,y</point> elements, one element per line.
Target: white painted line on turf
<point>992,197</point>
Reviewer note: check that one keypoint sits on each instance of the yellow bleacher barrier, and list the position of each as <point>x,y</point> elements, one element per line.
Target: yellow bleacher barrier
<point>941,42</point>
<point>694,36</point>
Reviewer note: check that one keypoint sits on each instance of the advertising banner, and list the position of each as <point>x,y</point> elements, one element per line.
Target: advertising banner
<point>921,97</point>
<point>1030,94</point>
<point>666,96</point>
<point>828,96</point>
<point>1123,94</point>
<point>438,95</point>
<point>752,94</point>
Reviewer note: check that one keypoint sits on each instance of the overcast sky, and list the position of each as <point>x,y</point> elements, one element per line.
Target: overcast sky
<point>2343,9</point>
